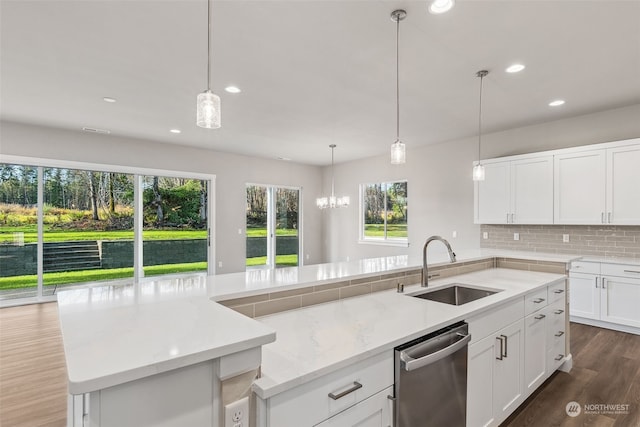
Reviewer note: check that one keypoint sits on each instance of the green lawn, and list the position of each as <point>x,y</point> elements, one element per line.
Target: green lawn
<point>262,232</point>
<point>393,230</point>
<point>65,277</point>
<point>281,260</point>
<point>31,234</point>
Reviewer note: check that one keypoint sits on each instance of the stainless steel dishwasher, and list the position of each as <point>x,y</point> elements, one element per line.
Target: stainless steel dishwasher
<point>431,379</point>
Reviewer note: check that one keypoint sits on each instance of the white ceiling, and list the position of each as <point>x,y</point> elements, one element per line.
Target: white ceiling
<point>313,73</point>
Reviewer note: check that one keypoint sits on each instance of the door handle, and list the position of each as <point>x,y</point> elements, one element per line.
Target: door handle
<point>507,217</point>
<point>501,347</point>
<point>609,217</point>
<point>558,291</point>
<point>540,317</point>
<point>560,356</point>
<point>558,312</point>
<point>604,283</point>
<point>596,282</point>
<point>409,363</point>
<point>356,385</point>
<point>559,334</point>
<point>538,300</point>
<point>506,341</point>
<point>602,217</point>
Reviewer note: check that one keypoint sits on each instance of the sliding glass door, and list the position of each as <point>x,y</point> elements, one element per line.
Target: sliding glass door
<point>273,238</point>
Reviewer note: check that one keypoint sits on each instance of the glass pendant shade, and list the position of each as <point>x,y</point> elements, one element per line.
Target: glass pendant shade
<point>208,110</point>
<point>398,153</point>
<point>478,172</point>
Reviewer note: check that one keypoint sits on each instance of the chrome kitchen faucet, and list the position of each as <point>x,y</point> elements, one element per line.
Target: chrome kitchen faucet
<point>425,271</point>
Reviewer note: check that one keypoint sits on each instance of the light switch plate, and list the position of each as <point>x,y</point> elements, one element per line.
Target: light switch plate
<point>516,236</point>
<point>565,238</point>
<point>485,235</point>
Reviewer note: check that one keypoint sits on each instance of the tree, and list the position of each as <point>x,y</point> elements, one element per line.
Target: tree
<point>93,188</point>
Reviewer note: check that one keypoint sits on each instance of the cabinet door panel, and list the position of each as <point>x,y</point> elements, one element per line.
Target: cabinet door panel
<point>620,299</point>
<point>532,190</point>
<point>623,176</point>
<point>579,193</point>
<point>480,374</point>
<point>509,373</point>
<point>584,295</point>
<point>492,194</point>
<point>372,412</point>
<point>535,349</point>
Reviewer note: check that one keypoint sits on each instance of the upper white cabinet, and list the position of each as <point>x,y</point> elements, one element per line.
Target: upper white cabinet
<point>595,184</point>
<point>598,186</point>
<point>518,191</point>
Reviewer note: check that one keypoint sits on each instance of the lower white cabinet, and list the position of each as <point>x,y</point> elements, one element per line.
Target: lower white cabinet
<point>515,349</point>
<point>606,294</point>
<point>372,412</point>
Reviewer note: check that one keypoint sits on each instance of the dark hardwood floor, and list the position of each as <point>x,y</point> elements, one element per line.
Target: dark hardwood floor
<point>606,370</point>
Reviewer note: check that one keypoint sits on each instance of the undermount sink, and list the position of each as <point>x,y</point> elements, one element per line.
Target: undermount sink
<point>455,294</point>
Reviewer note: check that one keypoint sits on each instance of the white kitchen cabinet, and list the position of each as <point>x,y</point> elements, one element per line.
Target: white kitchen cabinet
<point>495,379</point>
<point>556,335</point>
<point>535,350</point>
<point>597,186</point>
<point>372,412</point>
<point>606,294</point>
<point>518,191</point>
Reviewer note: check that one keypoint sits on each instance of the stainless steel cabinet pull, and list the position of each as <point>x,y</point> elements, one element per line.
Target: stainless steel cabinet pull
<point>506,340</point>
<point>609,217</point>
<point>559,334</point>
<point>596,281</point>
<point>356,386</point>
<point>632,271</point>
<point>560,356</point>
<point>507,218</point>
<point>513,216</point>
<point>538,300</point>
<point>603,283</point>
<point>540,317</point>
<point>558,291</point>
<point>501,347</point>
<point>558,312</point>
<point>602,217</point>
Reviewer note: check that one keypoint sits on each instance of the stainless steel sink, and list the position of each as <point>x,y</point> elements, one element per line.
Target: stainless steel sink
<point>455,294</point>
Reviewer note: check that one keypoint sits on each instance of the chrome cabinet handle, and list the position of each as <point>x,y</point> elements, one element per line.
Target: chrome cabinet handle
<point>540,317</point>
<point>609,217</point>
<point>603,283</point>
<point>596,282</point>
<point>513,220</point>
<point>507,217</point>
<point>356,386</point>
<point>558,312</point>
<point>506,340</point>
<point>538,300</point>
<point>559,334</point>
<point>632,271</point>
<point>602,217</point>
<point>560,356</point>
<point>501,347</point>
<point>558,291</point>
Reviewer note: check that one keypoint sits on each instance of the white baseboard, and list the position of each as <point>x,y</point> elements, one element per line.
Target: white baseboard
<point>606,325</point>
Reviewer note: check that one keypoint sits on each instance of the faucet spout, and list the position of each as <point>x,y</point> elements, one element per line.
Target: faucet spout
<point>425,270</point>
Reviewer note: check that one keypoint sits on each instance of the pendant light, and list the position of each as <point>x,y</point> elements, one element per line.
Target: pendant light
<point>208,103</point>
<point>398,154</point>
<point>478,170</point>
<point>332,201</point>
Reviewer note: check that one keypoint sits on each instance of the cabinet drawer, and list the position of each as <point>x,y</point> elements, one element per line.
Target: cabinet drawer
<point>621,270</point>
<point>310,403</point>
<point>585,267</point>
<point>535,301</point>
<point>555,355</point>
<point>485,324</point>
<point>556,291</point>
<point>556,324</point>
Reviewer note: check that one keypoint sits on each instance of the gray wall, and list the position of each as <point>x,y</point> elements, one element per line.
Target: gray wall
<point>440,185</point>
<point>232,173</point>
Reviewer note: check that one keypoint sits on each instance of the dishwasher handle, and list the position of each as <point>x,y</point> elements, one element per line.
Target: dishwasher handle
<point>411,364</point>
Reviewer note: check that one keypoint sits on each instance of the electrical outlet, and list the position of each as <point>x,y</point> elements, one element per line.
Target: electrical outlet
<point>454,234</point>
<point>565,238</point>
<point>485,235</point>
<point>219,264</point>
<point>516,236</point>
<point>239,230</point>
<point>307,257</point>
<point>236,414</point>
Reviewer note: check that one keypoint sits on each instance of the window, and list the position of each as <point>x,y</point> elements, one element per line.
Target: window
<point>92,229</point>
<point>384,212</point>
<point>273,238</point>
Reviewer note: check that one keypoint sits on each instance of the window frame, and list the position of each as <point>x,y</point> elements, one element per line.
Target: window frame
<point>384,241</point>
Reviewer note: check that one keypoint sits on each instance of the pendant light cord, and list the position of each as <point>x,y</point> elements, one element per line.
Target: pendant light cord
<point>397,78</point>
<point>333,146</point>
<point>480,74</point>
<point>209,44</point>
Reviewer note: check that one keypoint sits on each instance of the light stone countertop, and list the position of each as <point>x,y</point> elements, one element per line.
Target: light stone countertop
<point>317,340</point>
<point>117,334</point>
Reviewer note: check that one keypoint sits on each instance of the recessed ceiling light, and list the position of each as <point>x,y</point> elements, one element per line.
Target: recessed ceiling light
<point>515,68</point>
<point>440,6</point>
<point>233,89</point>
<point>96,130</point>
<point>110,100</point>
<point>286,159</point>
<point>175,131</point>
<point>556,103</point>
